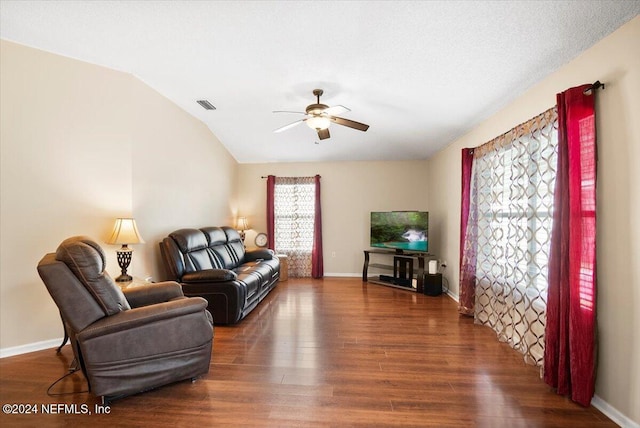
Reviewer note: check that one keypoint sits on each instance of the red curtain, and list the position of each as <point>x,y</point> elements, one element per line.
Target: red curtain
<point>271,186</point>
<point>468,264</point>
<point>570,342</point>
<point>317,264</point>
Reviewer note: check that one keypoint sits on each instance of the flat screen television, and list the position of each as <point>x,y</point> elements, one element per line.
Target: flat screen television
<point>400,230</point>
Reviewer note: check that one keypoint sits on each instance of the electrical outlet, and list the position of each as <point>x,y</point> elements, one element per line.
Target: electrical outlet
<point>333,254</point>
<point>443,264</point>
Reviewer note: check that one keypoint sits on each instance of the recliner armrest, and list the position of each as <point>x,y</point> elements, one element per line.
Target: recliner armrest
<point>209,275</point>
<point>262,253</point>
<point>153,293</point>
<point>134,318</point>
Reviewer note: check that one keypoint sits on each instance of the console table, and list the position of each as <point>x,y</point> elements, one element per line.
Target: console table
<point>404,269</point>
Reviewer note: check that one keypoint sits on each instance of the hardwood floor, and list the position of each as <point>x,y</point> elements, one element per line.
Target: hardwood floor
<point>332,352</point>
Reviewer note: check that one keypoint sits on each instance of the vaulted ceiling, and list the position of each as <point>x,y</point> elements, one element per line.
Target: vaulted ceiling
<point>420,74</point>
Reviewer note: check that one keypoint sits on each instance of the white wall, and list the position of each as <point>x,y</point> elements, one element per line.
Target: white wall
<point>614,61</point>
<point>350,191</point>
<point>80,146</point>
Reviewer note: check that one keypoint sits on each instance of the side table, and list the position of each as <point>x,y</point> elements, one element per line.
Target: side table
<point>135,282</point>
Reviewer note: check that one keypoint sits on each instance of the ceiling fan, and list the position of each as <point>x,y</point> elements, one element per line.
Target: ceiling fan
<point>320,116</point>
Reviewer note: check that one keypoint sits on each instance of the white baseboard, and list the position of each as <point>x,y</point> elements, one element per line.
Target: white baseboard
<point>613,413</point>
<point>453,296</point>
<point>345,275</point>
<point>30,347</point>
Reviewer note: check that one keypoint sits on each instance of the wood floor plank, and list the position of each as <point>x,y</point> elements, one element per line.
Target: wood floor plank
<point>324,353</point>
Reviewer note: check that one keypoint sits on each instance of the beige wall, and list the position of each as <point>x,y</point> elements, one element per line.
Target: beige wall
<point>350,191</point>
<point>80,146</point>
<point>616,62</point>
<point>182,175</point>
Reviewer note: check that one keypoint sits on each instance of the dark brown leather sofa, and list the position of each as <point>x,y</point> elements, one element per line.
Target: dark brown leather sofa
<point>212,262</point>
<point>125,342</point>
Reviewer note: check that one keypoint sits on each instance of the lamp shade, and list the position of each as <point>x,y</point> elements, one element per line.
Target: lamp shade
<point>243,224</point>
<point>125,232</point>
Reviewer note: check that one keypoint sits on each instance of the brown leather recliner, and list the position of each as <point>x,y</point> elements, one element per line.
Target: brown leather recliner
<point>129,342</point>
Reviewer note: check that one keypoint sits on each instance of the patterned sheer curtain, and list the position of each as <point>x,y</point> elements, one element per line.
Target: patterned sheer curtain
<point>508,232</point>
<point>294,216</point>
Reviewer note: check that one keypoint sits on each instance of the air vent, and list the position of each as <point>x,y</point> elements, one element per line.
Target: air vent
<point>206,105</point>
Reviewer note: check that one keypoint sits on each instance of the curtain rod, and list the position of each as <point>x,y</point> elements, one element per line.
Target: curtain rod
<point>596,85</point>
<point>266,176</point>
<point>542,115</point>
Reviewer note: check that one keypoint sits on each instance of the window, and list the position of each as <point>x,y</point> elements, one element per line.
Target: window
<point>514,190</point>
<point>294,214</point>
<point>511,216</point>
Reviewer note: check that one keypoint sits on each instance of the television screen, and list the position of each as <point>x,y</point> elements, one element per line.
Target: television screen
<point>400,230</point>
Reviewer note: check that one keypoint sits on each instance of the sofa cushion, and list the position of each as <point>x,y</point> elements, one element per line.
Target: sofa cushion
<point>189,240</point>
<point>214,236</point>
<point>252,281</point>
<point>234,245</point>
<point>194,247</point>
<point>210,275</point>
<point>261,268</point>
<point>86,260</point>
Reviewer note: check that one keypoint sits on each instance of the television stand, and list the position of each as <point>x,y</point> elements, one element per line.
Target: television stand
<point>404,269</point>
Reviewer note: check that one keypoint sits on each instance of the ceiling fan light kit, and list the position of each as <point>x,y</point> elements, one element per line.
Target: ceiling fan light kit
<point>320,116</point>
<point>318,122</point>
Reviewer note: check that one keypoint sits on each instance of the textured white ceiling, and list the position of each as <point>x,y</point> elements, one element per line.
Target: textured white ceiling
<point>420,74</point>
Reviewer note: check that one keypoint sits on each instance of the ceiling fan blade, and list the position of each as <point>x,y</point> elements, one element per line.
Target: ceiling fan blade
<point>350,123</point>
<point>323,134</point>
<point>291,125</point>
<point>288,111</point>
<point>338,109</point>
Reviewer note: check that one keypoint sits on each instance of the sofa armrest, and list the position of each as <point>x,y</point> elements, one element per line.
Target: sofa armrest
<point>261,253</point>
<point>209,275</point>
<point>153,293</point>
<point>138,317</point>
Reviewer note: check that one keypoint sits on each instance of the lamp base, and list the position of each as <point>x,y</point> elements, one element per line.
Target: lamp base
<point>124,259</point>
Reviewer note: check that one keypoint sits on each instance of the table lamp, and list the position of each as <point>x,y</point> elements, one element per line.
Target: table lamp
<point>125,232</point>
<point>242,225</point>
